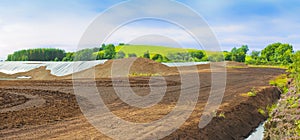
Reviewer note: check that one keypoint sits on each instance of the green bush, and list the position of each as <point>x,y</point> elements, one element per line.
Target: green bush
<point>158,58</point>
<point>222,115</point>
<point>294,69</point>
<point>280,82</point>
<point>132,55</point>
<point>252,93</point>
<point>261,111</point>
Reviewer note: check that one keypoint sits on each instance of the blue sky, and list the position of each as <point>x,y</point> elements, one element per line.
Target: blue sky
<point>61,23</point>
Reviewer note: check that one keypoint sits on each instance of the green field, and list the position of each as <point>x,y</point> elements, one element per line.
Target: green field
<point>139,50</point>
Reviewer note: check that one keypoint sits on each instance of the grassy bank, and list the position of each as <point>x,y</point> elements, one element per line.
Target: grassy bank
<point>285,117</point>
<point>269,66</point>
<point>284,121</point>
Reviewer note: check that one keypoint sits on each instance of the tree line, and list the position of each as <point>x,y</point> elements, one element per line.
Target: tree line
<point>236,54</point>
<point>109,52</point>
<point>273,54</point>
<point>39,54</point>
<point>104,52</point>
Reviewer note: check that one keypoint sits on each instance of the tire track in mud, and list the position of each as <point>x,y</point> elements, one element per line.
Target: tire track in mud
<point>42,107</point>
<point>33,101</point>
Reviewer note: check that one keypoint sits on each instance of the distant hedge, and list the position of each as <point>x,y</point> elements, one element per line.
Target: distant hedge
<point>39,54</point>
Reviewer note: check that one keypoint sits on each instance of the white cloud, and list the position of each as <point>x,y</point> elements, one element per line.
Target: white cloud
<point>35,24</point>
<point>129,33</point>
<point>41,34</point>
<point>229,28</point>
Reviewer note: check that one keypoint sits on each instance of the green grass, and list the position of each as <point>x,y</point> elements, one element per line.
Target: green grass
<point>293,102</point>
<point>261,111</point>
<point>139,50</point>
<point>252,93</point>
<point>222,115</point>
<point>236,67</point>
<point>297,123</point>
<point>271,108</point>
<point>280,82</point>
<point>142,74</point>
<point>268,66</point>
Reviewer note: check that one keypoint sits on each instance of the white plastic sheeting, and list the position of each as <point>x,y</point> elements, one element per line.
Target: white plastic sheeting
<point>64,68</point>
<point>56,68</point>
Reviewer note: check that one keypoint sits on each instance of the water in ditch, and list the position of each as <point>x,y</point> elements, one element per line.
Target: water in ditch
<point>258,134</point>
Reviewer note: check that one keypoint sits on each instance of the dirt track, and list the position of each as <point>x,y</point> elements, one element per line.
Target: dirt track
<point>60,117</point>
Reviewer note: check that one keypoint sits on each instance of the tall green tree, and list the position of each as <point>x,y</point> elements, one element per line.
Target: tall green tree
<point>69,56</point>
<point>268,53</point>
<point>233,54</point>
<point>109,51</point>
<point>146,55</point>
<point>227,56</point>
<point>197,54</point>
<point>241,53</point>
<point>277,53</point>
<point>238,54</point>
<point>283,54</point>
<point>100,55</point>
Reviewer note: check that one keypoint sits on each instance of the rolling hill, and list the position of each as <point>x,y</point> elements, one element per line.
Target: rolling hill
<point>139,50</point>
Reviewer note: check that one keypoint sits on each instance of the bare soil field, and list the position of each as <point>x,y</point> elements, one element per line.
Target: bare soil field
<point>47,109</point>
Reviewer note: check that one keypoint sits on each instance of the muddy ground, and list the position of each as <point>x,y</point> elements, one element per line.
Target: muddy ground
<point>53,112</point>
